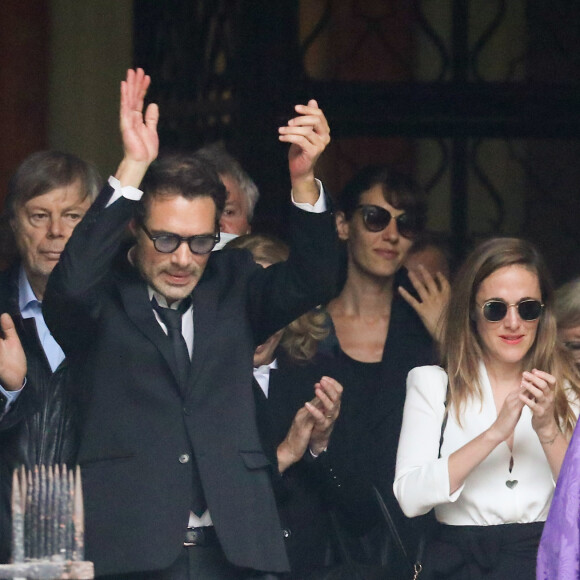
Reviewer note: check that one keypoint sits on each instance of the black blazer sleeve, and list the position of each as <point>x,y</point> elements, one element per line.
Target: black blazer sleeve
<point>284,291</point>
<point>76,285</point>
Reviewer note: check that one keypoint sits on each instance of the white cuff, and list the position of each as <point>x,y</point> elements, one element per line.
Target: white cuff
<point>128,192</point>
<point>319,206</point>
<point>316,455</point>
<point>11,396</point>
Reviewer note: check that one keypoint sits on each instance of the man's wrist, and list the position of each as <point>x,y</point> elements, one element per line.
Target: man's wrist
<point>131,173</point>
<point>305,189</point>
<point>319,206</point>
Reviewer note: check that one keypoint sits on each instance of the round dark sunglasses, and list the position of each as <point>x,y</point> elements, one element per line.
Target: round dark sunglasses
<point>167,243</point>
<point>528,309</point>
<point>377,218</point>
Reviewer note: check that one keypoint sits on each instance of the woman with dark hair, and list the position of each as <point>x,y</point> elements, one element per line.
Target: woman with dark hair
<point>483,441</point>
<point>382,321</point>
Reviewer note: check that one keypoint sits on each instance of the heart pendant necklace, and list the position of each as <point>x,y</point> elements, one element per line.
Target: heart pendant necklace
<point>511,483</point>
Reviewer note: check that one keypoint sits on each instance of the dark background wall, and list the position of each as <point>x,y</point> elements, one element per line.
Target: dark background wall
<point>23,81</point>
<point>60,66</point>
<point>478,99</point>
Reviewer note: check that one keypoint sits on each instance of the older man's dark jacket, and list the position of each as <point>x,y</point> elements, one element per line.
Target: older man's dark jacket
<point>40,428</point>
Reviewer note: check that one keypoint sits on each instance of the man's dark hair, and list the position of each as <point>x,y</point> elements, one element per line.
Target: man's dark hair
<point>399,190</point>
<point>181,174</point>
<point>44,171</point>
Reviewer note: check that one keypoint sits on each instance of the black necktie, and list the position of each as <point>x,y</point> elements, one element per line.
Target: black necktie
<point>172,319</point>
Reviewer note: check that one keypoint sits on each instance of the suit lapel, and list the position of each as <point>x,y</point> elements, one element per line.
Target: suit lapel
<point>138,308</point>
<point>205,302</point>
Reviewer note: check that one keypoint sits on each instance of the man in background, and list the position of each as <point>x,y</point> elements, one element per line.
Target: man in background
<point>242,193</point>
<point>47,197</point>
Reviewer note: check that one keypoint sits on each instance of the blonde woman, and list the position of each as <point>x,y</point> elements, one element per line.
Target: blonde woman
<point>482,441</point>
<point>567,310</point>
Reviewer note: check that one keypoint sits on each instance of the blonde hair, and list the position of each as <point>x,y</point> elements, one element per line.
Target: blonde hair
<point>301,337</point>
<point>567,304</point>
<point>461,348</point>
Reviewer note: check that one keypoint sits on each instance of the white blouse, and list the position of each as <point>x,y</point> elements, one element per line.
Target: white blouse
<point>491,494</point>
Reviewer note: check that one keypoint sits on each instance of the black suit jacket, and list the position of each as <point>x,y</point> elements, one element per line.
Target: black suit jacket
<point>138,428</point>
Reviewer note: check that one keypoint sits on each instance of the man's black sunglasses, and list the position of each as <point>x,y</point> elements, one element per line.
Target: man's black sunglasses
<point>496,309</point>
<point>377,218</point>
<point>167,243</point>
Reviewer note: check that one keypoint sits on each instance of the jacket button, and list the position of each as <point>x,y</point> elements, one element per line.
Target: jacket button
<point>286,532</point>
<point>184,458</point>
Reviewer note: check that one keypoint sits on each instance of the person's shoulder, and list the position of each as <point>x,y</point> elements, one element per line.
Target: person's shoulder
<point>8,285</point>
<point>429,380</point>
<point>10,273</point>
<point>434,372</point>
<point>231,258</point>
<point>231,266</point>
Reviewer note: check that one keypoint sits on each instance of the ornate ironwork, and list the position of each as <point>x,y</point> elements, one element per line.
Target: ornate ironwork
<point>460,73</point>
<point>189,47</point>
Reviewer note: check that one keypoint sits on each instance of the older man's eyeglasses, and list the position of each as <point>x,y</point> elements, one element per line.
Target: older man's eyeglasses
<point>166,243</point>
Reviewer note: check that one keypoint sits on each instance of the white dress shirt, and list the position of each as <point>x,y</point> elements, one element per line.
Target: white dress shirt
<point>262,375</point>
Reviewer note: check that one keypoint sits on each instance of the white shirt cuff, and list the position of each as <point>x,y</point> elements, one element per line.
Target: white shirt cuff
<point>11,396</point>
<point>316,455</point>
<point>128,192</point>
<point>319,206</point>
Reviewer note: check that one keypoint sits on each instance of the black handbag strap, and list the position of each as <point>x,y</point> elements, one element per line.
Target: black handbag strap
<point>443,425</point>
<point>417,565</point>
<point>391,525</point>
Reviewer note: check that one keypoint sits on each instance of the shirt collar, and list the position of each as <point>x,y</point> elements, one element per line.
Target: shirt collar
<point>265,369</point>
<point>27,299</point>
<point>161,300</point>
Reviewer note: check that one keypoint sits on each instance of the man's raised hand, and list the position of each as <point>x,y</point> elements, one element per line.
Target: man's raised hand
<point>308,135</point>
<point>138,130</point>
